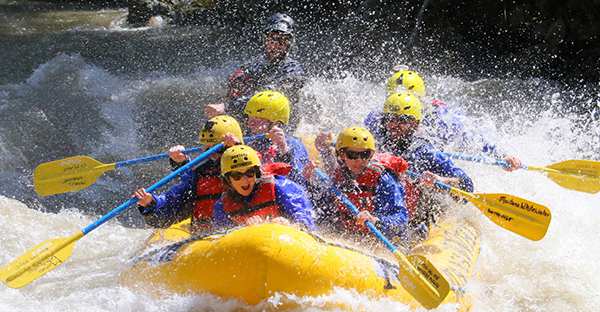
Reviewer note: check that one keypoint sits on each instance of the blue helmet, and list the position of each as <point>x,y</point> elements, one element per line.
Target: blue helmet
<point>281,23</point>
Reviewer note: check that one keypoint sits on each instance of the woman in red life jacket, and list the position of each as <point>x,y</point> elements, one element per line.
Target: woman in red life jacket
<point>370,184</point>
<point>252,196</point>
<point>199,188</point>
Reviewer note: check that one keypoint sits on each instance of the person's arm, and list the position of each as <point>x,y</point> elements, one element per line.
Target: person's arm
<point>297,157</point>
<point>167,204</point>
<point>220,218</point>
<point>324,145</point>
<point>446,168</point>
<point>293,202</point>
<point>390,206</point>
<point>427,158</point>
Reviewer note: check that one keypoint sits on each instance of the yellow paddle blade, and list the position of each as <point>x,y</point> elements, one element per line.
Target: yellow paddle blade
<point>578,175</point>
<point>518,215</point>
<point>422,280</point>
<point>68,175</point>
<point>38,261</point>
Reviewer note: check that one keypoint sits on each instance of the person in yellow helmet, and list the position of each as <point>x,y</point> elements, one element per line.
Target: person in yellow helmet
<point>369,180</point>
<point>269,112</point>
<point>274,70</point>
<point>444,126</point>
<point>252,194</point>
<point>199,188</point>
<point>401,135</point>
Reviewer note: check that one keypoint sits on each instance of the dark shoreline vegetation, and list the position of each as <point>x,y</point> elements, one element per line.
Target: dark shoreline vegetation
<point>552,39</point>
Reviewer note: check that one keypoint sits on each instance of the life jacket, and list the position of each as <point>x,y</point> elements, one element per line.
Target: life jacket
<point>267,152</point>
<point>263,202</point>
<point>208,189</point>
<point>239,83</point>
<point>360,191</point>
<point>398,166</point>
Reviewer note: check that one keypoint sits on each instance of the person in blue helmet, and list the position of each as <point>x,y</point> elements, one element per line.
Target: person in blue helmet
<point>255,195</point>
<point>443,126</point>
<point>269,112</point>
<point>274,70</point>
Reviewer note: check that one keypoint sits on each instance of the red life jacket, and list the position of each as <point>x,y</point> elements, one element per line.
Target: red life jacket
<point>360,191</point>
<point>239,83</point>
<point>398,166</point>
<point>208,189</point>
<point>263,202</point>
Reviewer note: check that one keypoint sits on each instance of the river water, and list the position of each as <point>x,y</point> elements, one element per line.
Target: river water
<point>76,81</point>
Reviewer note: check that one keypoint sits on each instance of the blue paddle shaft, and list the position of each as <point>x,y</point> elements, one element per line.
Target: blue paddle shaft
<point>439,184</point>
<point>323,177</point>
<point>480,159</point>
<point>130,202</point>
<point>140,160</point>
<point>151,158</point>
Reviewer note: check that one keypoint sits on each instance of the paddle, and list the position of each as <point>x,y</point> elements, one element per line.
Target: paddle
<point>418,276</point>
<point>578,175</point>
<point>48,255</point>
<point>518,215</point>
<point>75,173</point>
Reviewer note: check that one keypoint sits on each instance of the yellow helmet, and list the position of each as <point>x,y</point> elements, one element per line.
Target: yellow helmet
<point>409,81</point>
<point>404,104</point>
<point>217,127</point>
<point>356,137</point>
<point>239,158</point>
<point>270,105</point>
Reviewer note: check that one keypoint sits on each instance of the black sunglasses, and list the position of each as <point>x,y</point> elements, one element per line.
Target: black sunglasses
<point>356,155</point>
<point>236,176</point>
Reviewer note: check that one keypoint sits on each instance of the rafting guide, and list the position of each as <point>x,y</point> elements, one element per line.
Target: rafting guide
<point>275,70</point>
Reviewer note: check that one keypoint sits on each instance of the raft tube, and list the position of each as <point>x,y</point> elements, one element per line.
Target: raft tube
<point>255,262</point>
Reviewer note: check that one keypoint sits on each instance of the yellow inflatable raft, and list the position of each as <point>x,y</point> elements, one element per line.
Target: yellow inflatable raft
<point>255,262</point>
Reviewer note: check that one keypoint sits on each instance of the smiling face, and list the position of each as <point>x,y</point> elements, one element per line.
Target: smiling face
<point>355,159</point>
<point>243,182</point>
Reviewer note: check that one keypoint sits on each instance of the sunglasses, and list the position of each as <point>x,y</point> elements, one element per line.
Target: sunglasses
<point>236,176</point>
<point>356,155</point>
